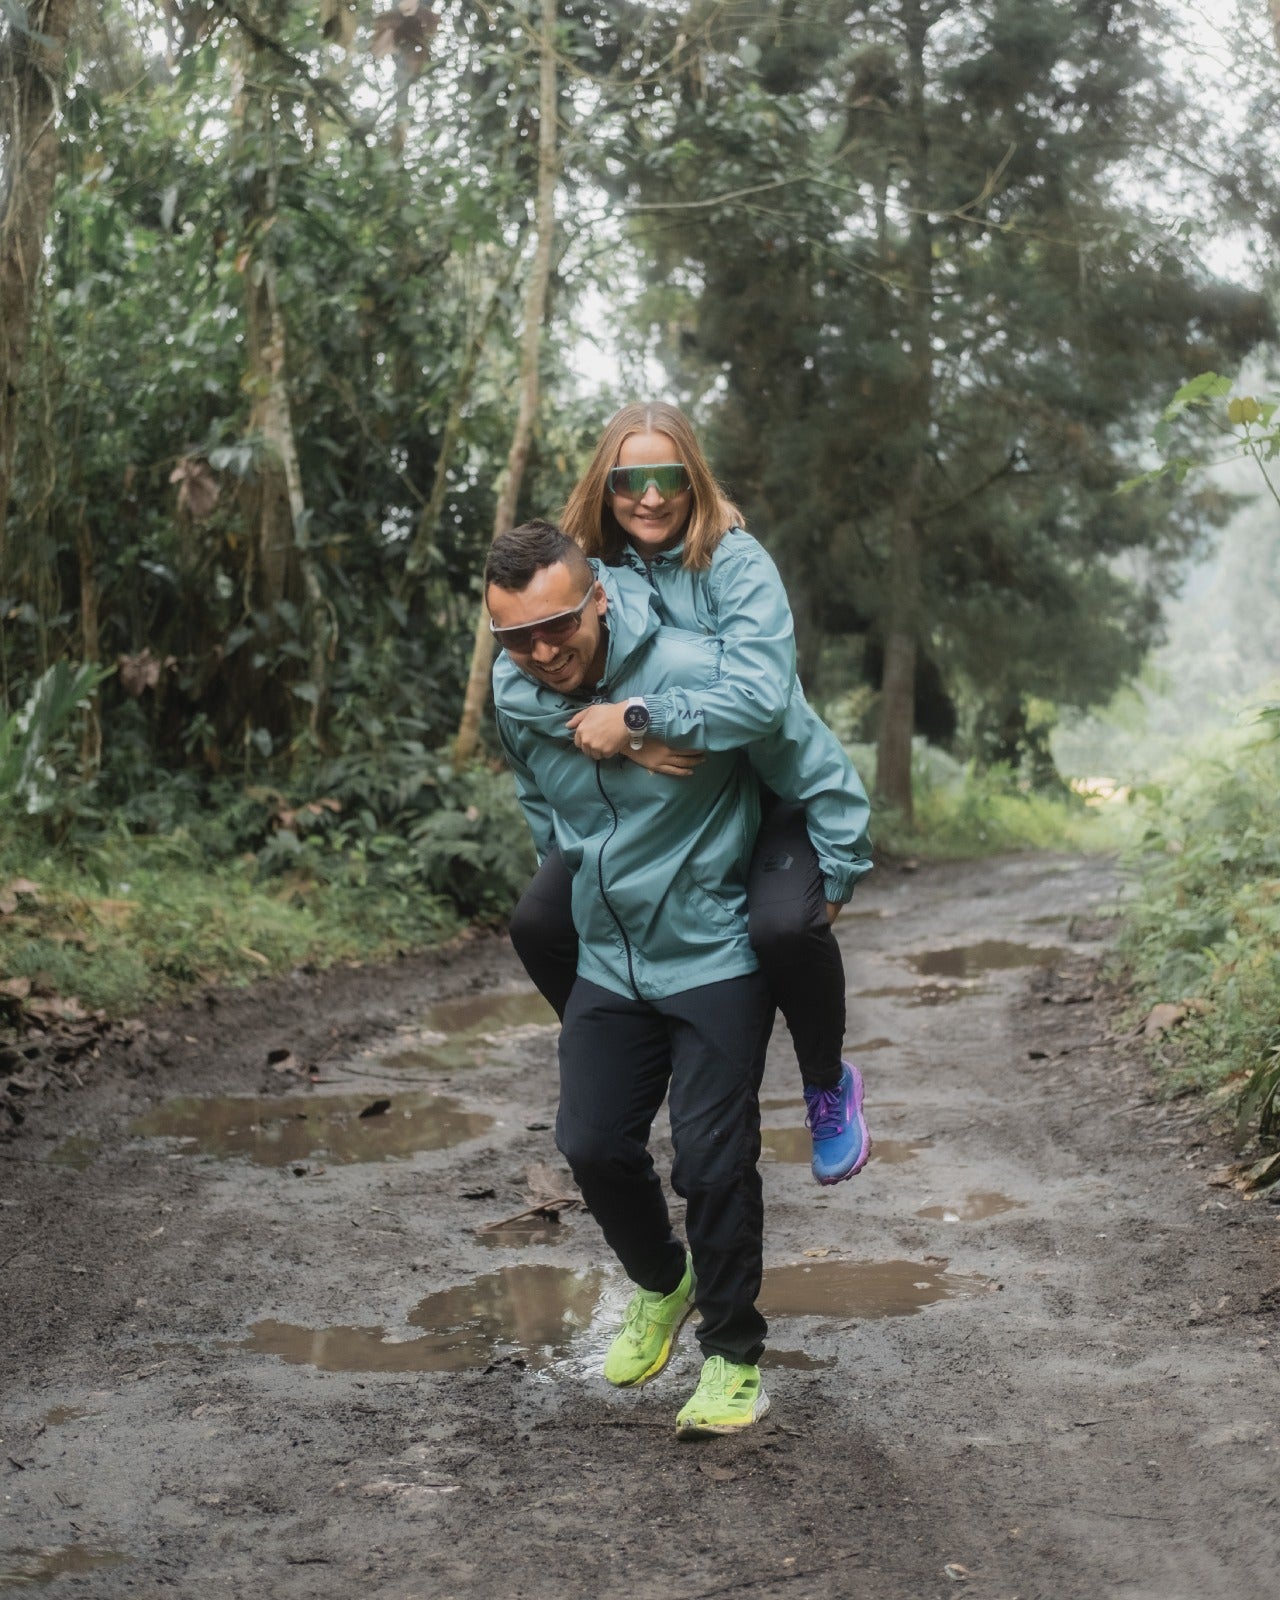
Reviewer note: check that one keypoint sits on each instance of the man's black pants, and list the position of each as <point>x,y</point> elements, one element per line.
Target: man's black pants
<point>617,1058</point>
<point>786,921</point>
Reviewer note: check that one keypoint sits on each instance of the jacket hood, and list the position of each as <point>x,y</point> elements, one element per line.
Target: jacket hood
<point>632,620</point>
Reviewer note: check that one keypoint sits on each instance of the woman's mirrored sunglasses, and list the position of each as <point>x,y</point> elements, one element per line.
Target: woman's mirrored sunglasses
<point>667,477</point>
<point>551,630</point>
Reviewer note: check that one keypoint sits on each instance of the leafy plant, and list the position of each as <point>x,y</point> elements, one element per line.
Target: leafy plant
<point>28,737</point>
<point>1203,931</point>
<point>1247,422</point>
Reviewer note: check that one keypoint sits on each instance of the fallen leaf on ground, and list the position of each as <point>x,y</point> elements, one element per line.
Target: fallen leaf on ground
<point>956,1572</point>
<point>1263,1173</point>
<point>66,1009</point>
<point>542,1183</point>
<point>113,912</point>
<point>1164,1016</point>
<point>375,1108</point>
<point>825,1251</point>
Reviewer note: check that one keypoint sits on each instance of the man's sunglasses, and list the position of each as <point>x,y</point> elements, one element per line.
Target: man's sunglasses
<point>551,630</point>
<point>668,478</point>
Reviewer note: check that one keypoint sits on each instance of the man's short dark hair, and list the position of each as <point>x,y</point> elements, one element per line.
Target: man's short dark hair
<point>517,556</point>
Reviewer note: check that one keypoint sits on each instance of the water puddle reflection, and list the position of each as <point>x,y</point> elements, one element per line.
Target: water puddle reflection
<point>274,1131</point>
<point>531,1311</point>
<point>63,1414</point>
<point>21,1568</point>
<point>861,1289</point>
<point>477,1013</point>
<point>923,994</point>
<point>77,1152</point>
<point>976,1208</point>
<point>794,1146</point>
<point>538,1313</point>
<point>990,955</point>
<point>463,1032</point>
<point>525,1231</point>
<point>796,1360</point>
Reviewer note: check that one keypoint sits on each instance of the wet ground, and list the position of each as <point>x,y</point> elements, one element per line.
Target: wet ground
<point>279,1318</point>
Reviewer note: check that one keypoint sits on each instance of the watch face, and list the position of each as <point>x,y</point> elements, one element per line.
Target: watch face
<point>636,718</point>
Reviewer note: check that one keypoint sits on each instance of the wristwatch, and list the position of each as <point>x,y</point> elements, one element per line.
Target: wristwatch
<point>636,720</point>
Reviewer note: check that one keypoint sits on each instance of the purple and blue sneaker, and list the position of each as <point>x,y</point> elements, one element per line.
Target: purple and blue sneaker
<point>841,1143</point>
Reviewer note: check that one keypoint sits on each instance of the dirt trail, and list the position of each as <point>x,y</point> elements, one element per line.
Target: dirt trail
<point>1028,1352</point>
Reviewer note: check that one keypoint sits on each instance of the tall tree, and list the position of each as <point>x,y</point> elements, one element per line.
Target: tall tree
<point>535,304</point>
<point>932,318</point>
<point>33,56</point>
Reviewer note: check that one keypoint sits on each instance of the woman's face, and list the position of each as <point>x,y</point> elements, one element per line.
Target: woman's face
<point>651,522</point>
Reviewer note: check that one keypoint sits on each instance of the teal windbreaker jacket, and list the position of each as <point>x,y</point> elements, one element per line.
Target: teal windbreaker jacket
<point>741,599</point>
<point>659,864</point>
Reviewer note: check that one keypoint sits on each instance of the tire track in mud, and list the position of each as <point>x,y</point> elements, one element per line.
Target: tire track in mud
<point>1026,1352</point>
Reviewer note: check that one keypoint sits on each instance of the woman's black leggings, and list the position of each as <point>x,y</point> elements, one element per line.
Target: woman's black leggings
<point>786,920</point>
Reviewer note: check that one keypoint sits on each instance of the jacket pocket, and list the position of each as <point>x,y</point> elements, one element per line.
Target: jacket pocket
<point>707,905</point>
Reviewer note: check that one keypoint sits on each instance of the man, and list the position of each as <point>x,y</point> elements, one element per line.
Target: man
<point>668,993</point>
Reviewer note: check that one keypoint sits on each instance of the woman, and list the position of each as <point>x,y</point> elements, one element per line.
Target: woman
<point>648,501</point>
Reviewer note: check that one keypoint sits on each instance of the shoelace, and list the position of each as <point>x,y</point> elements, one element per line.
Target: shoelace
<point>824,1120</point>
<point>714,1381</point>
<point>640,1313</point>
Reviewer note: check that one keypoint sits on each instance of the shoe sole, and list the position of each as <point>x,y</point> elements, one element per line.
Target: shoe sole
<point>668,1352</point>
<point>864,1155</point>
<point>712,1430</point>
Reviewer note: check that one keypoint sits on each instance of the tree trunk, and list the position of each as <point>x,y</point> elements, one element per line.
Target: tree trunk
<point>278,509</point>
<point>420,548</point>
<point>91,739</point>
<point>535,306</point>
<point>36,63</point>
<point>906,552</point>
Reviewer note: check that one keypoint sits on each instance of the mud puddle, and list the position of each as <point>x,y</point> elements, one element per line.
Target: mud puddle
<point>539,1312</point>
<point>532,1310</point>
<point>793,1146</point>
<point>24,1569</point>
<point>988,955</point>
<point>468,1031</point>
<point>277,1131</point>
<point>974,1208</point>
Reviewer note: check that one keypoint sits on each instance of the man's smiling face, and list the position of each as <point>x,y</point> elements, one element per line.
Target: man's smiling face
<point>564,651</point>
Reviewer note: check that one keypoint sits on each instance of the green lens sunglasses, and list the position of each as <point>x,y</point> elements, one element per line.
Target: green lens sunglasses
<point>668,478</point>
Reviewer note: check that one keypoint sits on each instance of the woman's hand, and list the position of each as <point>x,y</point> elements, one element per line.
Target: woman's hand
<point>655,756</point>
<point>834,908</point>
<point>599,732</point>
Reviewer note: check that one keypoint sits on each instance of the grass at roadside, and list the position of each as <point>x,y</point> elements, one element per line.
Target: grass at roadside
<point>139,921</point>
<point>1202,935</point>
<point>963,814</point>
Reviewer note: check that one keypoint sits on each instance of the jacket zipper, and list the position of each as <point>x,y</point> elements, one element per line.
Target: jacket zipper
<point>626,943</point>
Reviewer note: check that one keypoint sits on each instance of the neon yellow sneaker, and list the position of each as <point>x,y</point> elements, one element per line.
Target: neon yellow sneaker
<point>729,1396</point>
<point>649,1332</point>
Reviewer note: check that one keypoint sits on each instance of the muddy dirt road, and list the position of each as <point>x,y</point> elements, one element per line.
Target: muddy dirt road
<point>254,1345</point>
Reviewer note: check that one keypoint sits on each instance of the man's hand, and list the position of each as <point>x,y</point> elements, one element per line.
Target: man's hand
<point>834,908</point>
<point>658,757</point>
<point>599,731</point>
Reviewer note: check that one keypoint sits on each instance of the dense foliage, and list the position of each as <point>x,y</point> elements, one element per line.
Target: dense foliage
<point>1203,936</point>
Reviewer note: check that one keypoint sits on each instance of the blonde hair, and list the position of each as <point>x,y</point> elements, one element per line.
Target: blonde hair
<point>588,515</point>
